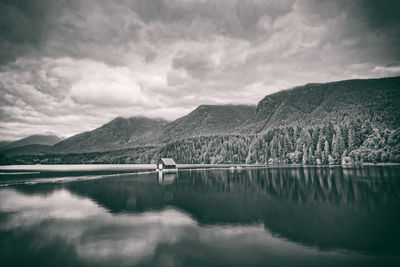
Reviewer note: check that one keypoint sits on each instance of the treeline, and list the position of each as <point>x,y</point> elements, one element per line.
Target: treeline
<point>350,142</point>
<point>209,149</point>
<point>353,142</point>
<point>143,155</point>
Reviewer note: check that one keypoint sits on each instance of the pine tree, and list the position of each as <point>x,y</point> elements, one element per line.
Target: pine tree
<point>310,156</point>
<point>351,144</point>
<point>266,155</point>
<point>280,153</point>
<point>318,150</point>
<point>305,155</point>
<point>272,148</point>
<point>334,144</point>
<point>326,152</point>
<point>340,145</point>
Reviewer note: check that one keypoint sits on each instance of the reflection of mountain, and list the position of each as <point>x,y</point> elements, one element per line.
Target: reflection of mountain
<point>328,208</point>
<point>75,231</point>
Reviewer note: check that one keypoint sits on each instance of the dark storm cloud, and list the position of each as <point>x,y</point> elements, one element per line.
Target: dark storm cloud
<point>24,25</point>
<point>85,28</point>
<point>383,18</point>
<point>230,17</point>
<point>62,28</point>
<point>381,14</point>
<point>196,65</point>
<point>62,63</point>
<point>371,26</point>
<point>93,29</point>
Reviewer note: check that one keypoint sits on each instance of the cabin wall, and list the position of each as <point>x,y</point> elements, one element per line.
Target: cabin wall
<point>169,166</point>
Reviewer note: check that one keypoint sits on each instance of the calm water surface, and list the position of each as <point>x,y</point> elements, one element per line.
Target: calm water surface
<point>250,217</point>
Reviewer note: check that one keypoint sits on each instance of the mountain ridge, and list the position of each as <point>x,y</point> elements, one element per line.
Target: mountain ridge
<point>208,120</point>
<point>336,102</point>
<point>116,134</point>
<point>32,149</point>
<point>35,139</point>
<point>346,102</point>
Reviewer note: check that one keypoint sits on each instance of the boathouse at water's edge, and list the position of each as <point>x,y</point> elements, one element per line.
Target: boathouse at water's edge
<point>166,163</point>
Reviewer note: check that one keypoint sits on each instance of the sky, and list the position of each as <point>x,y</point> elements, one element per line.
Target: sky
<point>71,66</point>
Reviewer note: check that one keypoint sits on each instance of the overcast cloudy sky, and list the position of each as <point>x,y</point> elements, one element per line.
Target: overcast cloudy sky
<point>70,66</point>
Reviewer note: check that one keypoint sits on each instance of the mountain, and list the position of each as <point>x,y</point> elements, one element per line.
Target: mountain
<point>123,133</point>
<point>377,100</point>
<point>33,140</point>
<point>330,123</point>
<point>208,120</point>
<point>118,133</point>
<point>34,149</point>
<point>4,143</point>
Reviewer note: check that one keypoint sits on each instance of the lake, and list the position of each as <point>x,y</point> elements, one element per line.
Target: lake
<point>289,216</point>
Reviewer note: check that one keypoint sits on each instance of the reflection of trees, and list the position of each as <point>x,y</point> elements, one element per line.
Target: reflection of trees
<point>367,187</point>
<point>326,207</point>
<point>332,185</point>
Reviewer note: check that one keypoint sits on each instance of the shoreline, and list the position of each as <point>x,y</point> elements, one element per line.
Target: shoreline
<point>125,167</point>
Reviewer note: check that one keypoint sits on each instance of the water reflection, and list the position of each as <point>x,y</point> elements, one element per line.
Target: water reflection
<point>95,234</point>
<point>153,237</point>
<point>166,178</point>
<point>285,216</point>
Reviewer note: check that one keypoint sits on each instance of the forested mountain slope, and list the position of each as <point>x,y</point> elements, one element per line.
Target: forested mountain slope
<point>4,143</point>
<point>208,120</point>
<point>332,123</point>
<point>117,134</point>
<point>376,100</point>
<point>35,149</point>
<point>33,140</point>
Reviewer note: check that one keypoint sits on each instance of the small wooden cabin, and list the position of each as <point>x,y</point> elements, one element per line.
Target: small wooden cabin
<point>165,164</point>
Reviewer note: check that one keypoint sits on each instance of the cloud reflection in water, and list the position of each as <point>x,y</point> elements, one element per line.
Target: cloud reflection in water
<point>100,237</point>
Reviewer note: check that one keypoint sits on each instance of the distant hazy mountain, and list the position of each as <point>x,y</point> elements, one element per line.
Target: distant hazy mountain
<point>33,140</point>
<point>118,133</point>
<point>34,149</point>
<point>377,100</point>
<point>4,143</point>
<point>208,120</point>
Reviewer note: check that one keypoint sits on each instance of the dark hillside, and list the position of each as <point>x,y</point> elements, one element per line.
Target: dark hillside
<point>376,100</point>
<point>208,120</point>
<point>340,122</point>
<point>117,134</point>
<point>33,140</point>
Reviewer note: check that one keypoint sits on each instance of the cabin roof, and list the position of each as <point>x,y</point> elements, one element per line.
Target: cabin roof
<point>168,161</point>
